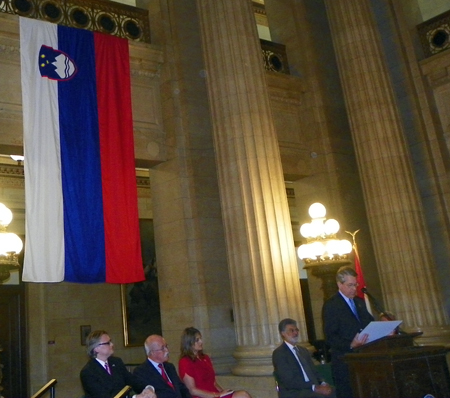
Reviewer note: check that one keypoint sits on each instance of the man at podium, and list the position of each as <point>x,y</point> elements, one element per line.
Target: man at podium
<point>344,316</point>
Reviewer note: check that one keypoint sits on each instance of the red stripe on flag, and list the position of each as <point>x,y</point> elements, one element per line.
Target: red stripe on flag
<point>120,211</point>
<point>360,277</point>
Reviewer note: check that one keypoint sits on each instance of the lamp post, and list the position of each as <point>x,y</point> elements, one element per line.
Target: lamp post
<point>10,245</point>
<point>323,253</point>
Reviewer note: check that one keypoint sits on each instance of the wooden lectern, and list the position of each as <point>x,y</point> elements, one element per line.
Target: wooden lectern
<point>394,367</point>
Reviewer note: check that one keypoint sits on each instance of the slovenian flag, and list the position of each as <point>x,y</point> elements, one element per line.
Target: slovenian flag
<point>80,185</point>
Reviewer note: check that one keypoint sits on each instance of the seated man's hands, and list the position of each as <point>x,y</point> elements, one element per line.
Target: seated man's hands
<point>324,389</point>
<point>147,392</point>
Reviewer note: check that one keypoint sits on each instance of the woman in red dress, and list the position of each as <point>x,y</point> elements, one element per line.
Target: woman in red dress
<point>196,369</point>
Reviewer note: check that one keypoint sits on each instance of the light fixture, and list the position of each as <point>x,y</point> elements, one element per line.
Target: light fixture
<point>10,245</point>
<point>322,244</point>
<point>17,158</point>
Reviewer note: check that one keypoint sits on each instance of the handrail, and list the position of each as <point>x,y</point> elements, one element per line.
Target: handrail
<point>49,386</point>
<point>123,392</point>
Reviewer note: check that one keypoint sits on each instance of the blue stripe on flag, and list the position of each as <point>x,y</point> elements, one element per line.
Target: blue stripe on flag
<point>80,162</point>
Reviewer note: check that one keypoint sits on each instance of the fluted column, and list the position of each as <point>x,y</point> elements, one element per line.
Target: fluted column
<point>261,254</point>
<point>402,246</point>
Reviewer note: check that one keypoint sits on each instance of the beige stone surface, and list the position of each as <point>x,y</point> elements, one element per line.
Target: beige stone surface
<point>261,259</point>
<point>392,197</point>
<point>219,135</point>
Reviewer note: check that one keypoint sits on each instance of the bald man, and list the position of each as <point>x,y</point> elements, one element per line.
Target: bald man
<point>159,373</point>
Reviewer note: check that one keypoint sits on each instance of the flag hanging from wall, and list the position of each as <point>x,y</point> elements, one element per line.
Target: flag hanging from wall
<point>360,278</point>
<point>80,184</point>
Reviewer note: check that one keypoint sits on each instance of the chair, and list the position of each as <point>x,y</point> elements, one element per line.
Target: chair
<point>130,366</point>
<point>325,371</point>
<point>276,381</point>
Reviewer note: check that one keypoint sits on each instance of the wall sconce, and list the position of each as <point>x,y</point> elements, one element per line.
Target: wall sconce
<point>321,242</point>
<point>10,245</point>
<point>17,158</point>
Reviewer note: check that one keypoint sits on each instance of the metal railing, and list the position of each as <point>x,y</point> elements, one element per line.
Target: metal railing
<point>50,386</point>
<point>123,392</point>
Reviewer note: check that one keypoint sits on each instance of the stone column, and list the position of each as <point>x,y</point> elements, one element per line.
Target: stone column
<point>258,233</point>
<point>401,241</point>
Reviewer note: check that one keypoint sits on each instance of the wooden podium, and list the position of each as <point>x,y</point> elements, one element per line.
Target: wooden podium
<point>394,367</point>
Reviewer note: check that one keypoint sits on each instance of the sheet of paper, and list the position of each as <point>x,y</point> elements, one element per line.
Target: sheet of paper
<point>226,393</point>
<point>378,329</point>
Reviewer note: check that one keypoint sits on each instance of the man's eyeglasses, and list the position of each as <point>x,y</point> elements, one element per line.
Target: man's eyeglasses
<point>164,347</point>
<point>107,343</point>
<point>351,284</point>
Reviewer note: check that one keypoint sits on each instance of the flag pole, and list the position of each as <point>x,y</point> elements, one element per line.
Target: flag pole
<point>358,269</point>
<point>360,278</point>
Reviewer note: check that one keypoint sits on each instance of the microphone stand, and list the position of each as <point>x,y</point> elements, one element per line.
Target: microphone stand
<point>381,311</point>
<point>377,305</point>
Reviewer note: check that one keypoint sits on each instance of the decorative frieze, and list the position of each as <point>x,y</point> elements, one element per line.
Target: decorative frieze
<point>104,16</point>
<point>434,34</point>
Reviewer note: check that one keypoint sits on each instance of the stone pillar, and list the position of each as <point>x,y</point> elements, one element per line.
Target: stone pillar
<point>194,284</point>
<point>260,248</point>
<point>401,241</point>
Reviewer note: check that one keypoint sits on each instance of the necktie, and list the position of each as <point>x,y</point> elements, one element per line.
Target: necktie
<point>353,307</point>
<point>307,372</point>
<point>107,368</point>
<point>164,375</point>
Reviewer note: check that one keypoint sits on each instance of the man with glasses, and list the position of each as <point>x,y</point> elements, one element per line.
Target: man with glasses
<point>344,316</point>
<point>161,374</point>
<point>294,369</point>
<point>104,375</point>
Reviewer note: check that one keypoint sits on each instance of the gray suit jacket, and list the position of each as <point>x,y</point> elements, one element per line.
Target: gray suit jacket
<point>289,375</point>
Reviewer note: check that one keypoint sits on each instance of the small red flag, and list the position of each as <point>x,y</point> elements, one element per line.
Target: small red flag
<point>360,277</point>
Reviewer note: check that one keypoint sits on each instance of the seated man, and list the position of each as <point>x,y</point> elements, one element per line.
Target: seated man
<point>104,375</point>
<point>294,369</point>
<point>161,374</point>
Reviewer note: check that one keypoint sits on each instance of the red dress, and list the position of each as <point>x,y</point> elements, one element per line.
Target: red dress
<point>201,370</point>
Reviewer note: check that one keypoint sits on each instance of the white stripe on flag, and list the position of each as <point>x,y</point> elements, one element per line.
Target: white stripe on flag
<point>44,259</point>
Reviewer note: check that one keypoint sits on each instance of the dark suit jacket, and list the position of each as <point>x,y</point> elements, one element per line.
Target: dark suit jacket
<point>97,383</point>
<point>289,375</point>
<point>341,325</point>
<point>147,374</point>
